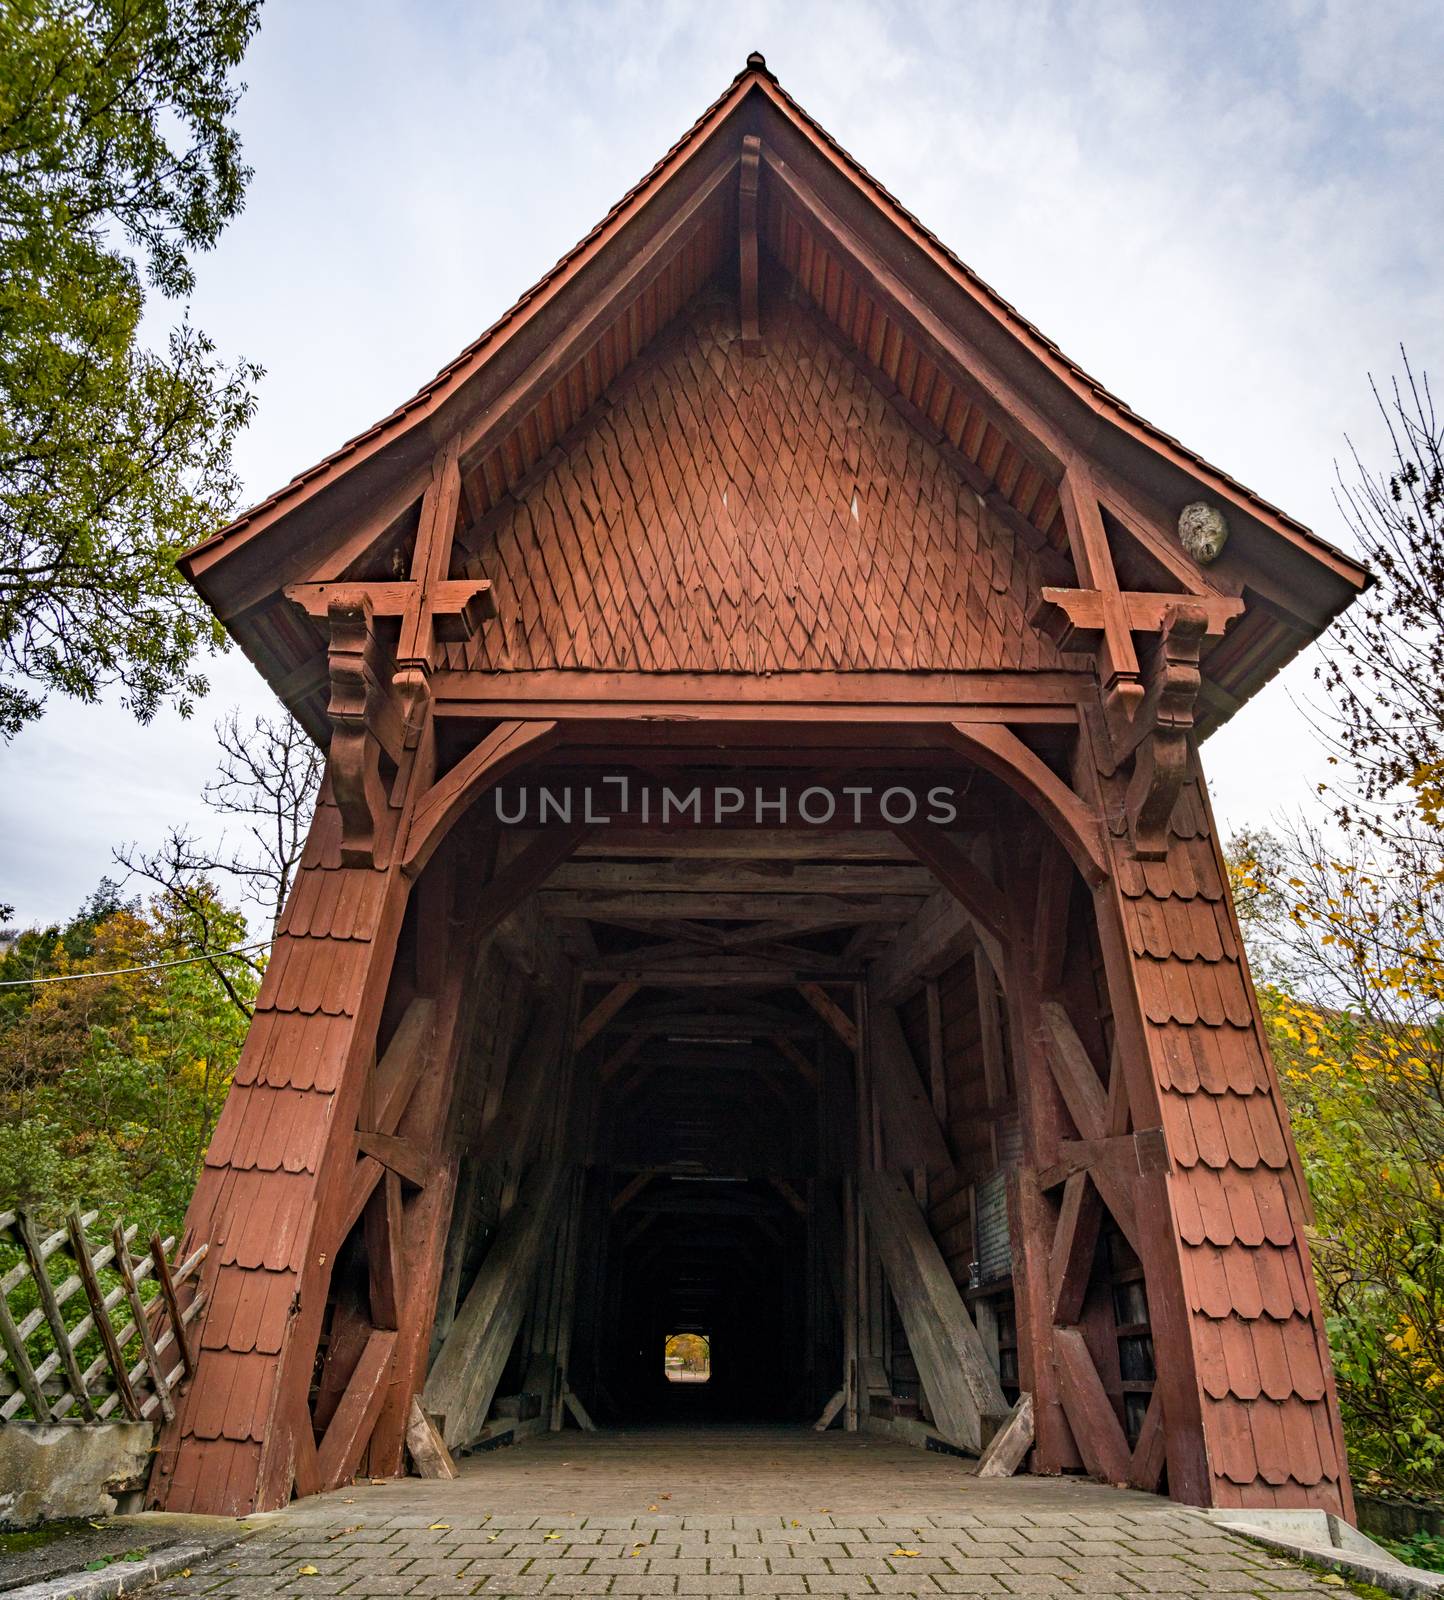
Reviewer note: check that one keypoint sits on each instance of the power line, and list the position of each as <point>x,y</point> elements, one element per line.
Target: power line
<point>120,972</point>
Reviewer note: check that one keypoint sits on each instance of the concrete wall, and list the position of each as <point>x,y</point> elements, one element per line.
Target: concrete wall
<point>50,1470</point>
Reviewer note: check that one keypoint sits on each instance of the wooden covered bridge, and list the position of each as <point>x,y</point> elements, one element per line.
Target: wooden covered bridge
<point>763,885</point>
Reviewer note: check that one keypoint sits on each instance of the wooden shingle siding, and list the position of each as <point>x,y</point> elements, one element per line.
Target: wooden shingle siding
<point>1236,1190</point>
<point>763,514</point>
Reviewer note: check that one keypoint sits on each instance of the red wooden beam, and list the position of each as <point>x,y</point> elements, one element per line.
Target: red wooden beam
<point>501,751</point>
<point>747,243</point>
<point>339,1452</point>
<point>952,868</point>
<point>1096,1429</point>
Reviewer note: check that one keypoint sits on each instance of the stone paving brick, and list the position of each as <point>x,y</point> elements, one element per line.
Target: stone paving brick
<point>738,1513</point>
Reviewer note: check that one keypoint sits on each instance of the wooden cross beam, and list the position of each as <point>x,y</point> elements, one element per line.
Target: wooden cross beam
<point>1148,719</point>
<point>1101,616</point>
<point>602,1013</point>
<point>431,608</point>
<point>380,697</point>
<point>1078,616</point>
<point>457,605</point>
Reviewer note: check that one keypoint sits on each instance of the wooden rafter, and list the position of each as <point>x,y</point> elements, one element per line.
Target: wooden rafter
<point>831,1013</point>
<point>747,268</point>
<point>508,745</point>
<point>952,868</point>
<point>999,751</point>
<point>602,1013</point>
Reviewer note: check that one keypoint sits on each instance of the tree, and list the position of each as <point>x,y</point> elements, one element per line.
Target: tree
<point>118,161</point>
<point>1353,997</point>
<point>1345,927</point>
<point>111,1080</point>
<point>269,774</point>
<point>1383,667</point>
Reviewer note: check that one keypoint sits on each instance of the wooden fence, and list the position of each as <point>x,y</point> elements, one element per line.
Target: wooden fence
<point>92,1332</point>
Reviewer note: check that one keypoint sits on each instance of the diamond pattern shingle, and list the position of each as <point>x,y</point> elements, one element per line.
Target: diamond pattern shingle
<point>727,514</point>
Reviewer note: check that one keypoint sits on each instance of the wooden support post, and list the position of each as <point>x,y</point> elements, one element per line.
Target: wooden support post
<point>747,183</point>
<point>937,1060</point>
<point>912,1134</point>
<point>464,1376</point>
<point>961,1385</point>
<point>1096,1428</point>
<point>1011,1443</point>
<point>1150,1452</point>
<point>427,1448</point>
<point>1118,670</point>
<point>385,1265</point>
<point>356,1414</point>
<point>849,1304</point>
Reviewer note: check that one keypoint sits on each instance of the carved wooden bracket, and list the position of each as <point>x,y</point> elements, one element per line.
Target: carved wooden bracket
<point>1160,763</point>
<point>454,607</point>
<point>365,725</point>
<point>1146,716</point>
<point>430,608</point>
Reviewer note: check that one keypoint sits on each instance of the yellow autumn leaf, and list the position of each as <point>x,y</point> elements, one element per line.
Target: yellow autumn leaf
<point>308,1571</point>
<point>901,1552</point>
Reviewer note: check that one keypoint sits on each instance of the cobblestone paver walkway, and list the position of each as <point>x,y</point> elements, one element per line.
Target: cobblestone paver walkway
<point>735,1512</point>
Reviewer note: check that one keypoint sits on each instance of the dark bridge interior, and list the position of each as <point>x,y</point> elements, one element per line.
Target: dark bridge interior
<point>712,1032</point>
<point>713,1127</point>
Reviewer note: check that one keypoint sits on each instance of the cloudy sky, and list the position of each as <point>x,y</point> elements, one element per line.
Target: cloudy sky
<point>1226,211</point>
